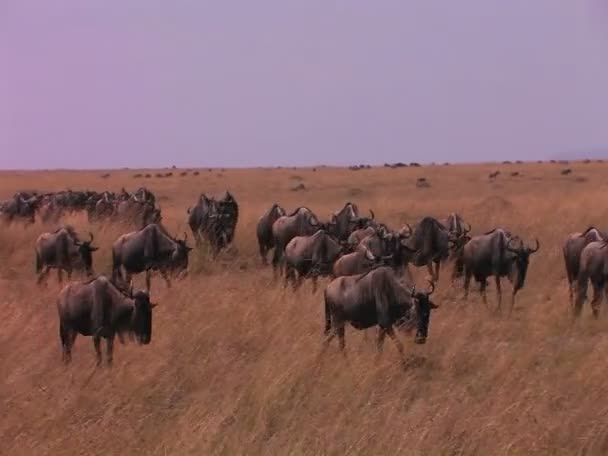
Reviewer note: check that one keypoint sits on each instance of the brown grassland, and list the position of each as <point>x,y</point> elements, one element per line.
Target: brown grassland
<point>234,366</point>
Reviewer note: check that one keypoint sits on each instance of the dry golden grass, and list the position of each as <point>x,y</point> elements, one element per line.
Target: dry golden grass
<point>233,366</point>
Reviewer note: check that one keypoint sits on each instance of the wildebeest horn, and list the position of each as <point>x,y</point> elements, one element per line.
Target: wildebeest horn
<point>413,290</point>
<point>131,288</point>
<point>91,236</point>
<point>188,210</point>
<point>467,230</point>
<point>153,305</point>
<point>537,247</point>
<point>185,236</point>
<point>372,214</point>
<point>432,285</point>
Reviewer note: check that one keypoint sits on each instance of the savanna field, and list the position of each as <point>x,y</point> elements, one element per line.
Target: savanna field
<point>234,367</point>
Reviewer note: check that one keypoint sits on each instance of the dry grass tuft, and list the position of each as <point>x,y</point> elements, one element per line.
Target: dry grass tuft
<point>234,366</point>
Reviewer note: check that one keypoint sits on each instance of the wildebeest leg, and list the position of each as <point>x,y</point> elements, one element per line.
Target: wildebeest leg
<point>467,283</point>
<point>597,297</point>
<point>482,291</point>
<point>166,277</point>
<point>581,294</point>
<point>315,279</point>
<point>429,267</point>
<point>97,344</point>
<point>148,279</point>
<point>110,349</point>
<point>263,253</point>
<point>67,337</point>
<point>398,344</point>
<point>276,259</point>
<point>43,274</point>
<point>340,333</point>
<point>380,340</point>
<point>436,274</point>
<point>499,294</point>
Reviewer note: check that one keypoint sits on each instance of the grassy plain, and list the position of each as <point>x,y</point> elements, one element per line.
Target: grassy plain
<point>233,367</point>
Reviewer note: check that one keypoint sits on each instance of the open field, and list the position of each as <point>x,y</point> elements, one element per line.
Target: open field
<point>233,366</point>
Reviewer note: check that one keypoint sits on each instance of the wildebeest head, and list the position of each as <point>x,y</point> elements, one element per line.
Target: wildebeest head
<point>85,251</point>
<point>420,313</point>
<point>520,256</point>
<point>180,254</point>
<point>141,319</point>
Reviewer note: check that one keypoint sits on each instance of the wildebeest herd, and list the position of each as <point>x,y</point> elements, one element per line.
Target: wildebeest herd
<point>368,263</point>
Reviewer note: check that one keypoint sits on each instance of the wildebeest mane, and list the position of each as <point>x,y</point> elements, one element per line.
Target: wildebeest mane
<point>297,210</point>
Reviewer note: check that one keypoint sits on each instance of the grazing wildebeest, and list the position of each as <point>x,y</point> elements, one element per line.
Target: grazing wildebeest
<point>149,249</point>
<point>346,220</point>
<point>574,245</point>
<point>431,240</point>
<point>593,266</point>
<point>310,256</point>
<point>500,254</point>
<point>376,298</point>
<point>301,222</point>
<point>63,251</point>
<point>264,230</point>
<point>99,308</point>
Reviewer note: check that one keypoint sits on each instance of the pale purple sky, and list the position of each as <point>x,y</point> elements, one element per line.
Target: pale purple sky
<point>148,83</point>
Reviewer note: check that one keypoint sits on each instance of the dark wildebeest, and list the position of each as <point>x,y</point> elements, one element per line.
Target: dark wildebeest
<point>310,256</point>
<point>574,245</point>
<point>432,241</point>
<point>102,208</point>
<point>138,213</point>
<point>99,308</point>
<point>264,230</point>
<point>149,249</point>
<point>347,220</point>
<point>499,254</point>
<point>64,251</point>
<point>215,220</point>
<point>593,266</point>
<point>301,222</point>
<point>20,208</point>
<point>143,195</point>
<point>376,298</point>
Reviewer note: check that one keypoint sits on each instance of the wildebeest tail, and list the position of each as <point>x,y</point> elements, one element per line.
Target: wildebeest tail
<point>38,262</point>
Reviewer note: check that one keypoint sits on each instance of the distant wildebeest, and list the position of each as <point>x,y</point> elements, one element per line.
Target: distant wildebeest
<point>500,254</point>
<point>102,208</point>
<point>389,247</point>
<point>63,251</point>
<point>357,236</point>
<point>566,171</point>
<point>99,308</point>
<point>310,256</point>
<point>214,220</point>
<point>494,174</point>
<point>149,249</point>
<point>376,298</point>
<point>574,245</point>
<point>301,222</point>
<point>593,266</point>
<point>264,230</point>
<point>347,220</point>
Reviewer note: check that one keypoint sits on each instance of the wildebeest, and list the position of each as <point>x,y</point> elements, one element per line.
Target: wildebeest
<point>301,222</point>
<point>593,266</point>
<point>20,208</point>
<point>574,245</point>
<point>456,225</point>
<point>264,230</point>
<point>500,254</point>
<point>99,308</point>
<point>347,220</point>
<point>149,249</point>
<point>376,298</point>
<point>431,240</point>
<point>63,251</point>
<point>310,256</point>
<point>215,220</point>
